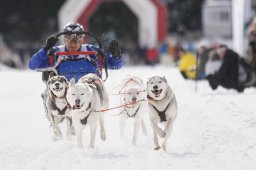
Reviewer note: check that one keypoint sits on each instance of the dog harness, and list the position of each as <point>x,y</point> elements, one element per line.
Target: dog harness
<point>133,115</point>
<point>55,107</point>
<point>60,111</point>
<point>162,114</point>
<point>84,120</point>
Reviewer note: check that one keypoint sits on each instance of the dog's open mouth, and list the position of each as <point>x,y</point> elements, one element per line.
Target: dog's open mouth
<point>157,92</point>
<point>77,106</point>
<point>131,104</point>
<point>58,88</point>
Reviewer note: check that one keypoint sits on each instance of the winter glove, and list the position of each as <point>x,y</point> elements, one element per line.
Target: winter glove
<point>113,47</point>
<point>50,42</point>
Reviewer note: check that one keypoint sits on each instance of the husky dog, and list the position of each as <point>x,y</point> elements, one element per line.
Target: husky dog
<point>133,93</point>
<point>56,104</point>
<point>87,97</point>
<point>162,108</point>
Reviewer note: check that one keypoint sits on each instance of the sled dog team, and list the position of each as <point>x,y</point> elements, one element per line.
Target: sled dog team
<point>83,104</point>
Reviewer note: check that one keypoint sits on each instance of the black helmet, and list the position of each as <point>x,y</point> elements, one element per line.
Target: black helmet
<point>73,28</point>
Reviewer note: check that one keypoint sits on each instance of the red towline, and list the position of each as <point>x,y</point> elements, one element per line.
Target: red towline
<point>76,53</point>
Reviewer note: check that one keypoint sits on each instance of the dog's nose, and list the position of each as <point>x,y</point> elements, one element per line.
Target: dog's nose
<point>155,87</point>
<point>134,99</point>
<point>77,101</point>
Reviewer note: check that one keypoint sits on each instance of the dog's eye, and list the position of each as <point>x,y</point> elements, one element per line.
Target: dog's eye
<point>138,92</point>
<point>151,83</point>
<point>60,79</point>
<point>82,94</point>
<point>73,94</point>
<point>160,82</point>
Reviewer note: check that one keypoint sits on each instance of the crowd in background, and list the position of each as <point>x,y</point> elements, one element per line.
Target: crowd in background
<point>212,61</point>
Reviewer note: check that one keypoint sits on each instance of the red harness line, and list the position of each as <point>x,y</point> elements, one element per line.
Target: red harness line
<point>127,93</point>
<point>104,110</point>
<point>76,53</point>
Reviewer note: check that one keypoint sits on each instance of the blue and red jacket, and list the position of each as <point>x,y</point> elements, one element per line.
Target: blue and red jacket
<point>73,66</point>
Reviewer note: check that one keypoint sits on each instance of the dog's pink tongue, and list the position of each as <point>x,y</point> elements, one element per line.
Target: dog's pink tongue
<point>157,93</point>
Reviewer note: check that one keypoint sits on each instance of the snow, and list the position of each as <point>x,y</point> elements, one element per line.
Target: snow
<point>213,130</point>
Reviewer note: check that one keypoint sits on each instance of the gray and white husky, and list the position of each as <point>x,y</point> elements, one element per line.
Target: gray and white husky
<point>133,96</point>
<point>162,109</point>
<point>87,97</point>
<point>56,105</point>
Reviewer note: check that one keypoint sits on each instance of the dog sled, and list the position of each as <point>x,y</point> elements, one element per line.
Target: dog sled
<point>52,70</point>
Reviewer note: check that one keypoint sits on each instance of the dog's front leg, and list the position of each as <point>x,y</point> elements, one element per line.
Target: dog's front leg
<point>56,129</point>
<point>50,117</point>
<point>93,128</point>
<point>159,131</point>
<point>122,125</point>
<point>59,134</point>
<point>168,131</point>
<point>79,131</point>
<point>102,128</point>
<point>69,124</point>
<point>143,127</point>
<point>157,147</point>
<point>135,131</point>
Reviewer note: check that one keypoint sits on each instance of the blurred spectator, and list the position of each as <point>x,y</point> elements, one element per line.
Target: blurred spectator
<point>213,63</point>
<point>227,75</point>
<point>178,47</point>
<point>252,43</point>
<point>202,53</point>
<point>152,56</point>
<point>166,58</point>
<point>247,76</point>
<point>187,64</point>
<point>8,57</point>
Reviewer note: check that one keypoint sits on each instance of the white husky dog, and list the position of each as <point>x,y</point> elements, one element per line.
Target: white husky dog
<point>87,97</point>
<point>56,104</point>
<point>133,93</point>
<point>162,108</point>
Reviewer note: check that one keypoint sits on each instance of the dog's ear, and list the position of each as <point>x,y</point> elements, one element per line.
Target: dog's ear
<point>164,79</point>
<point>72,82</point>
<point>51,75</point>
<point>148,80</point>
<point>66,82</point>
<point>92,85</point>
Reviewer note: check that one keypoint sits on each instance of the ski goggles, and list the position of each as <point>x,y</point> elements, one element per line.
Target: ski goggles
<point>74,37</point>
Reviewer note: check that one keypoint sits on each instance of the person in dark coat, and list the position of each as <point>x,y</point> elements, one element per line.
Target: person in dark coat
<point>227,75</point>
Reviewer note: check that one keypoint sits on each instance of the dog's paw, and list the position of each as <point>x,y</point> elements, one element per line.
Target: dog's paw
<point>161,133</point>
<point>68,136</point>
<point>92,146</point>
<point>103,136</point>
<point>157,148</point>
<point>164,147</point>
<point>80,146</point>
<point>59,136</point>
<point>55,138</point>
